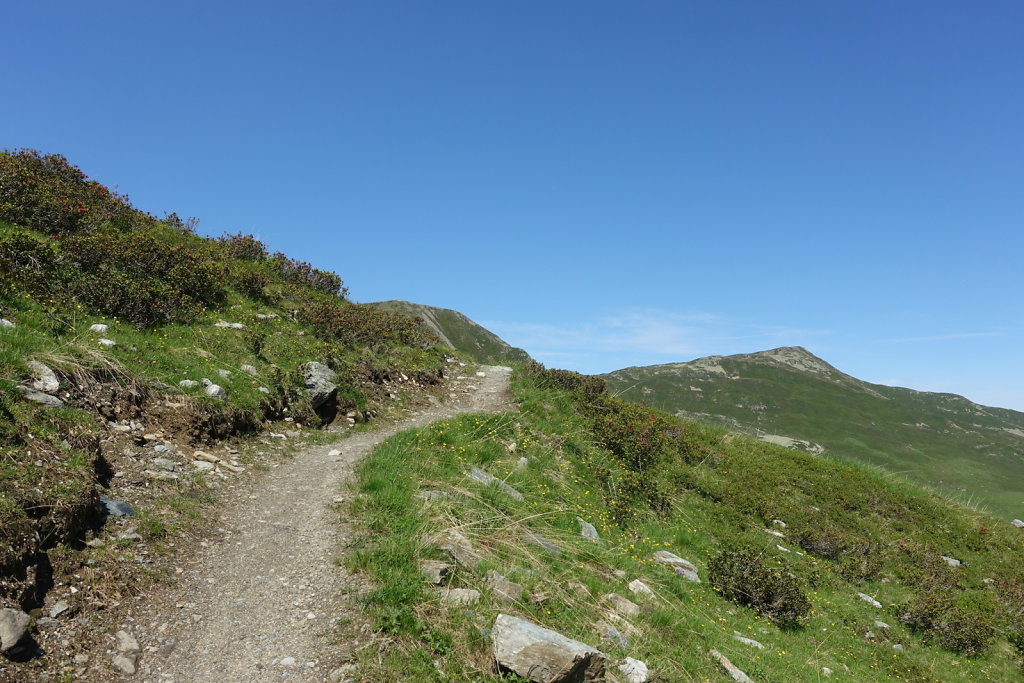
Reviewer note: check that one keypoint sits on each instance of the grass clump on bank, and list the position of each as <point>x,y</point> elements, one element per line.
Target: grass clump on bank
<point>784,543</point>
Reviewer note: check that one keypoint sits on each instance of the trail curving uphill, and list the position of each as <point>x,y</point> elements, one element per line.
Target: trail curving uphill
<point>259,604</point>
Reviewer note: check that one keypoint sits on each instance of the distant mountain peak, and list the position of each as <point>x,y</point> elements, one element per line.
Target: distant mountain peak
<point>796,357</point>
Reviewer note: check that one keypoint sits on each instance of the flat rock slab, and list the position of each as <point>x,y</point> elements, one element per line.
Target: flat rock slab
<point>730,668</point>
<point>436,572</point>
<point>459,547</point>
<point>747,641</point>
<point>640,588</point>
<point>623,606</point>
<point>870,600</point>
<point>488,479</point>
<point>587,530</point>
<point>542,655</point>
<point>683,567</point>
<point>503,589</point>
<point>460,596</point>
<point>541,542</point>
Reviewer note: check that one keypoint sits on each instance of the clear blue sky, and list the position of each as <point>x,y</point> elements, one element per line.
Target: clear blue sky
<point>604,183</point>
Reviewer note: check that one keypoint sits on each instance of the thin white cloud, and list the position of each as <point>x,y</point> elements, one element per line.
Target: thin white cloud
<point>945,337</point>
<point>642,337</point>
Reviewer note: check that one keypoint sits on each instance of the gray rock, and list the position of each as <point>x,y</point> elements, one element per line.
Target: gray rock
<point>40,398</point>
<point>4,322</point>
<point>588,530</point>
<point>635,671</point>
<point>951,561</point>
<point>612,635</point>
<point>1018,523</point>
<point>747,641</point>
<point>503,589</point>
<point>320,383</point>
<point>43,378</point>
<point>436,572</point>
<point>825,671</point>
<point>730,668</point>
<point>165,464</point>
<point>188,383</point>
<point>13,626</point>
<point>542,543</point>
<point>682,567</point>
<point>230,326</point>
<point>459,547</point>
<point>287,661</point>
<point>249,369</point>
<point>116,508</point>
<point>215,390</point>
<point>126,642</point>
<point>542,655</point>
<point>223,373</point>
<point>125,663</point>
<point>107,342</point>
<point>870,600</point>
<point>263,390</point>
<point>898,647</point>
<point>460,596</point>
<point>881,624</point>
<point>99,328</point>
<point>623,606</point>
<point>59,608</point>
<point>203,465</point>
<point>640,588</point>
<point>488,479</point>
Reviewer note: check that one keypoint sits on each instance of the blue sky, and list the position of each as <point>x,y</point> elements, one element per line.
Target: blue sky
<point>603,183</point>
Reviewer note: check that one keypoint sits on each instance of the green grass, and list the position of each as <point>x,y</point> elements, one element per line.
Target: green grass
<point>941,441</point>
<point>723,494</point>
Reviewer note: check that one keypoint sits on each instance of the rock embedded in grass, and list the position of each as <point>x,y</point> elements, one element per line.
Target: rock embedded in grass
<point>43,378</point>
<point>640,588</point>
<point>99,328</point>
<point>488,479</point>
<point>870,600</point>
<point>40,398</point>
<point>4,322</point>
<point>503,589</point>
<point>682,567</point>
<point>634,670</point>
<point>542,655</point>
<point>623,606</point>
<point>436,572</point>
<point>588,530</point>
<point>739,637</point>
<point>731,668</point>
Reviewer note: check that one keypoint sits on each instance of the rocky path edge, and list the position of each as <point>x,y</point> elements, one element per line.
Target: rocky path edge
<point>260,604</point>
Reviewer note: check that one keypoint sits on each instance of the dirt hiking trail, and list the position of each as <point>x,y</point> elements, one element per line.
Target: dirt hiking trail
<point>259,604</point>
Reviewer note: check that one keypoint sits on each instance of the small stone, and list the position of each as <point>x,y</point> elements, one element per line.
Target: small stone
<point>188,383</point>
<point>249,370</point>
<point>40,398</point>
<point>542,542</point>
<point>460,596</point>
<point>825,671</point>
<point>588,530</point>
<point>898,647</point>
<point>343,674</point>
<point>223,373</point>
<point>951,561</point>
<point>108,343</point>
<point>881,624</point>
<point>730,668</point>
<point>436,572</point>
<point>203,465</point>
<point>334,452</point>
<point>612,635</point>
<point>1018,523</point>
<point>287,661</point>
<point>481,374</point>
<point>216,391</point>
<point>81,659</point>
<point>432,495</point>
<point>635,671</point>
<point>116,508</point>
<point>125,663</point>
<point>59,608</point>
<point>13,626</point>
<point>263,390</point>
<point>503,589</point>
<point>165,464</point>
<point>231,326</point>
<point>486,478</point>
<point>623,606</point>
<point>459,547</point>
<point>640,588</point>
<point>44,379</point>
<point>540,654</point>
<point>126,642</point>
<point>870,600</point>
<point>99,328</point>
<point>779,523</point>
<point>682,567</point>
<point>747,641</point>
<point>4,322</point>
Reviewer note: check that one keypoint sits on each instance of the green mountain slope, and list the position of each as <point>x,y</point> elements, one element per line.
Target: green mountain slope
<point>459,332</point>
<point>790,397</point>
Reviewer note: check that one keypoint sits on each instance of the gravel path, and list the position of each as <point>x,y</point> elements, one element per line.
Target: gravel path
<point>259,604</point>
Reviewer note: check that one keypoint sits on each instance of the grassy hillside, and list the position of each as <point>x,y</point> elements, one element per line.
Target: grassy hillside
<point>782,541</point>
<point>132,317</point>
<point>459,332</point>
<point>972,452</point>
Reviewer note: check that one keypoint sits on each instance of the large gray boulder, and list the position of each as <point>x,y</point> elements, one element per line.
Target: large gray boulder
<point>542,655</point>
<point>320,383</point>
<point>13,625</point>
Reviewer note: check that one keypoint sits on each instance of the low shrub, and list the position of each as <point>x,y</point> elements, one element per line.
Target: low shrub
<point>303,273</point>
<point>743,577</point>
<point>637,435</point>
<point>968,630</point>
<point>358,325</point>
<point>567,380</point>
<point>243,247</point>
<point>46,192</point>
